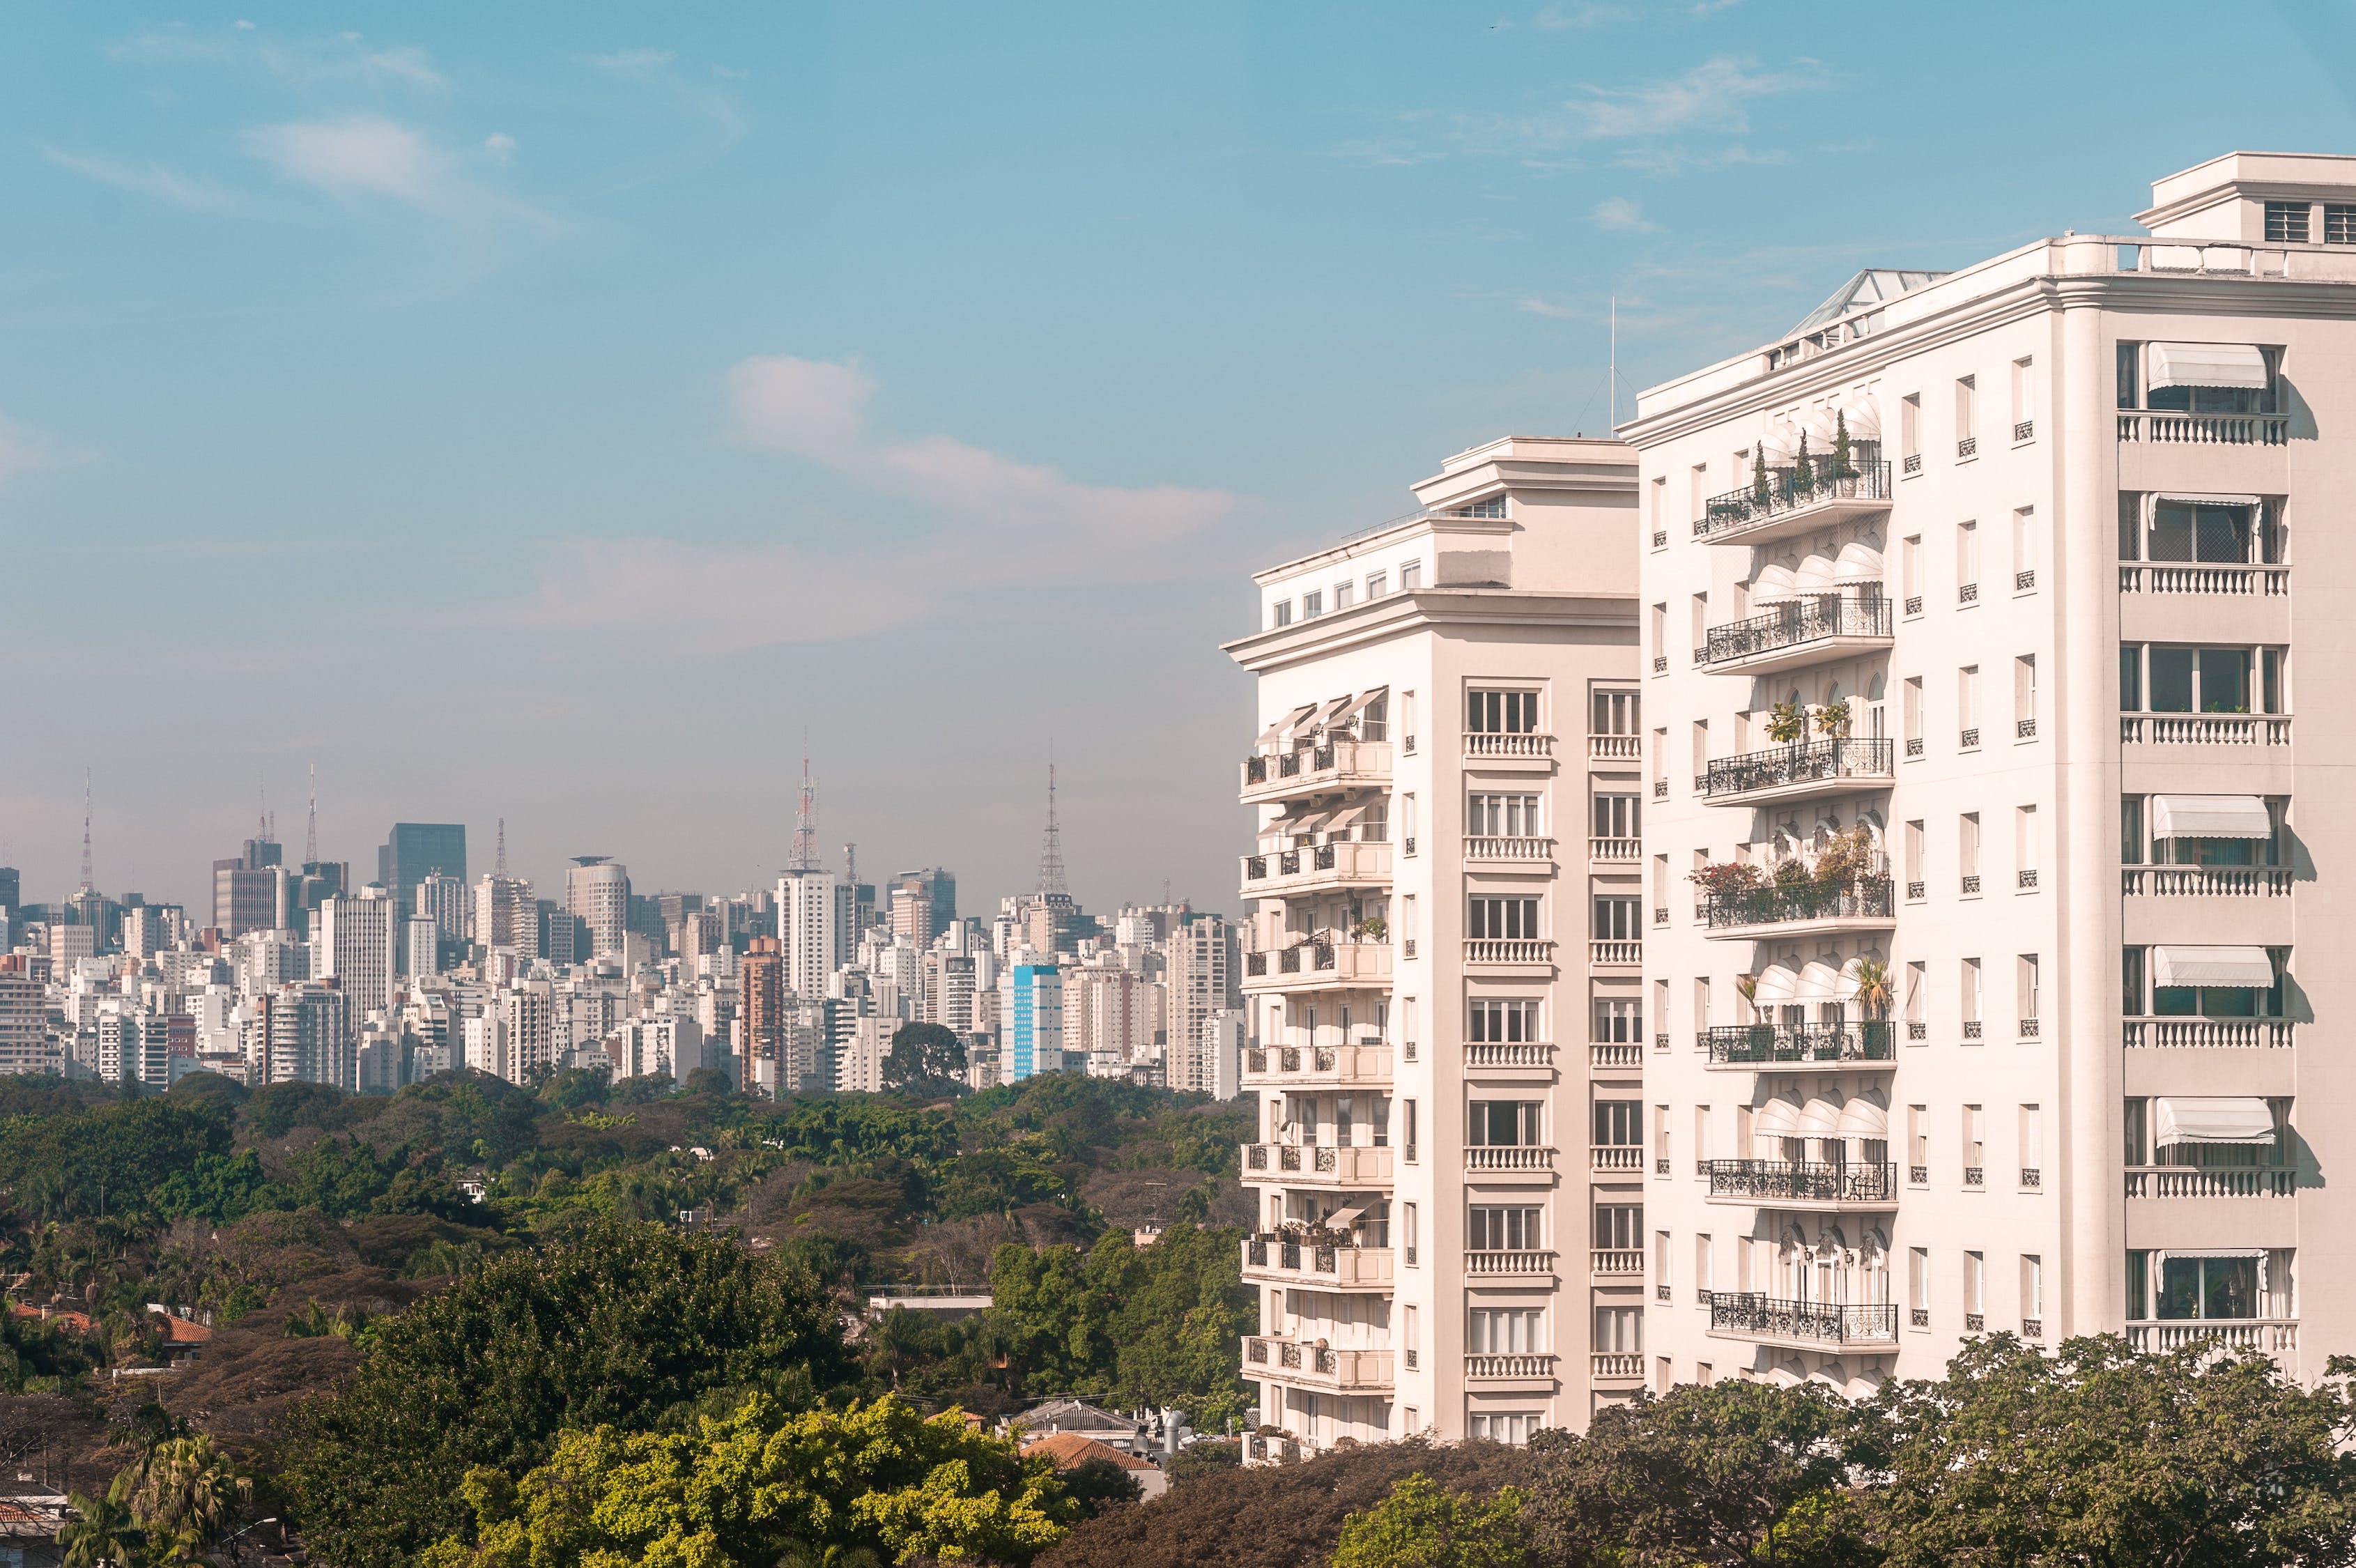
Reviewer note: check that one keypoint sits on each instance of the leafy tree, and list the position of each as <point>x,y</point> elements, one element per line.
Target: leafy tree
<point>1098,1484</point>
<point>183,1494</point>
<point>218,1188</point>
<point>2099,1456</point>
<point>760,1485</point>
<point>102,1534</point>
<point>107,1160</point>
<point>613,1326</point>
<point>337,1177</point>
<point>923,1051</point>
<point>997,1181</point>
<point>1704,1477</point>
<point>1423,1525</point>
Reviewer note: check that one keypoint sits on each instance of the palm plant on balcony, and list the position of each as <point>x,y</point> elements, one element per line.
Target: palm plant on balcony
<point>1873,987</point>
<point>1787,723</point>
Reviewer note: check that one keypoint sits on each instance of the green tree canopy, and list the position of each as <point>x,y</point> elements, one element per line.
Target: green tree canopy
<point>1423,1525</point>
<point>922,1051</point>
<point>760,1485</point>
<point>615,1326</point>
<point>2099,1456</point>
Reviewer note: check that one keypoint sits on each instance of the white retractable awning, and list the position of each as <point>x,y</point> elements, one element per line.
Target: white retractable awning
<point>1815,575</point>
<point>1778,984</point>
<point>1343,1219</point>
<point>2182,498</point>
<point>2212,1252</point>
<point>1779,442</point>
<point>1858,562</point>
<point>1820,982</point>
<point>1771,583</point>
<point>1330,712</point>
<point>2226,968</point>
<point>1268,736</point>
<point>1864,417</point>
<point>2205,365</point>
<point>1358,703</point>
<point>1778,1118</point>
<point>2181,1121</point>
<point>1823,429</point>
<point>1819,1118</point>
<point>2210,816</point>
<point>1865,1117</point>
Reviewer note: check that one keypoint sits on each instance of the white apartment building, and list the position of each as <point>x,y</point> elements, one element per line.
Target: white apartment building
<point>1442,967</point>
<point>355,949</point>
<point>597,894</point>
<point>1989,938</point>
<point>811,927</point>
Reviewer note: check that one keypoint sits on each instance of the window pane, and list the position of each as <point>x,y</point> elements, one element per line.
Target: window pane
<point>2127,379</point>
<point>2131,678</point>
<point>2220,533</point>
<point>2171,680</point>
<point>2229,1287</point>
<point>2180,1288</point>
<point>2171,532</point>
<point>2130,523</point>
<point>2224,681</point>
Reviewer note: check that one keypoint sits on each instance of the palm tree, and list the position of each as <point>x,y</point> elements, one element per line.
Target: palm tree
<point>1873,987</point>
<point>101,1535</point>
<point>184,1492</point>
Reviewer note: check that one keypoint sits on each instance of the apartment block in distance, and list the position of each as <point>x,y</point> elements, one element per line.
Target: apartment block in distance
<point>1990,941</point>
<point>1444,898</point>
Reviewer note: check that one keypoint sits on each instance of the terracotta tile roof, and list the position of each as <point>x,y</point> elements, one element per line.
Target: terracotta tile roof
<point>179,1331</point>
<point>1070,1450</point>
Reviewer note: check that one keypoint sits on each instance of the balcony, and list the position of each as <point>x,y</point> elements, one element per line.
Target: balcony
<point>1278,1066</point>
<point>1286,872</point>
<point>1627,1157</point>
<point>2205,881</point>
<point>1798,910</point>
<point>1346,1371</point>
<point>1614,953</point>
<point>1801,770</point>
<point>1523,1370</point>
<point>1315,1164</point>
<point>2276,1034</point>
<point>1484,846</point>
<point>2219,1181</point>
<point>1289,1260</point>
<point>2266,1336</point>
<point>2206,429</point>
<point>1518,1265</point>
<point>1517,1060</point>
<point>1492,746</point>
<point>1510,1160</point>
<point>1803,631</point>
<point>1615,1054</point>
<point>1615,748</point>
<point>1615,851</point>
<point>1521,951</point>
<point>1318,966</point>
<point>1763,1320</point>
<point>2236,581</point>
<point>1316,770</point>
<point>1754,1047</point>
<point>2204,729</point>
<point>1788,505</point>
<point>1263,1450</point>
<point>1806,1184</point>
<point>1616,1366</point>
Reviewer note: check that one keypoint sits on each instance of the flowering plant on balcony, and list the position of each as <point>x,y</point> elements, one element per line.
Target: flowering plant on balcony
<point>1787,723</point>
<point>1727,876</point>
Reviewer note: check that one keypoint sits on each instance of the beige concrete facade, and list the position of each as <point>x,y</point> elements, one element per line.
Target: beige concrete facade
<point>1444,921</point>
<point>2064,604</point>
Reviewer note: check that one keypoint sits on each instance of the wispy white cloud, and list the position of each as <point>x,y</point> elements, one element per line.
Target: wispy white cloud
<point>995,524</point>
<point>148,179</point>
<point>367,156</point>
<point>1713,96</point>
<point>1617,212</point>
<point>305,62</point>
<point>25,450</point>
<point>632,62</point>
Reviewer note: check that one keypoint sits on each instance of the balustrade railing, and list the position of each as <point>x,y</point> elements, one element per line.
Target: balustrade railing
<point>2206,881</point>
<point>2212,1181</point>
<point>2240,1032</point>
<point>2204,729</point>
<point>2271,582</point>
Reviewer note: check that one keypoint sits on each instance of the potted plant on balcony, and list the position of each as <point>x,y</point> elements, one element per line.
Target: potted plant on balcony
<point>1873,989</point>
<point>1762,491</point>
<point>1843,460</point>
<point>1833,718</point>
<point>1371,929</point>
<point>1787,723</point>
<point>1725,878</point>
<point>1802,480</point>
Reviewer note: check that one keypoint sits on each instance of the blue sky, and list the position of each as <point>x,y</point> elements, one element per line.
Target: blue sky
<point>555,411</point>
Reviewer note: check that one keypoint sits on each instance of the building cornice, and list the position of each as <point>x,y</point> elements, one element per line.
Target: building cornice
<point>1396,615</point>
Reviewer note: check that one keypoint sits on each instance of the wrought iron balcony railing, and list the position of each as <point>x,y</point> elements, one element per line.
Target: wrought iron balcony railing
<point>1787,491</point>
<point>1802,1181</point>
<point>1859,898</point>
<point>1832,760</point>
<point>1765,1044</point>
<point>1815,1322</point>
<point>1811,620</point>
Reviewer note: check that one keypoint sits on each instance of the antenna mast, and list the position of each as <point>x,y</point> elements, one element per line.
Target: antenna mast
<point>805,854</point>
<point>86,883</point>
<point>1051,849</point>
<point>311,833</point>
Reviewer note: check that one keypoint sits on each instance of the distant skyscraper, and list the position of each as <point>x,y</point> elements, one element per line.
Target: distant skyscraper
<point>811,917</point>
<point>934,892</point>
<point>505,915</point>
<point>249,893</point>
<point>1032,1004</point>
<point>412,852</point>
<point>1202,984</point>
<point>597,890</point>
<point>761,1013</point>
<point>12,889</point>
<point>355,948</point>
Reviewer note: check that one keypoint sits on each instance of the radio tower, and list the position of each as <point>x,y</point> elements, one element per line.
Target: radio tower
<point>500,868</point>
<point>1050,851</point>
<point>805,854</point>
<point>86,882</point>
<point>311,833</point>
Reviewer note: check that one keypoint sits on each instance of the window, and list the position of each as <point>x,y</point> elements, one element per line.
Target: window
<point>2223,532</point>
<point>1918,1285</point>
<point>1974,1144</point>
<point>1910,427</point>
<point>1914,879</point>
<point>1702,1270</point>
<point>1971,998</point>
<point>2033,1290</point>
<point>1661,1278</point>
<point>1918,977</point>
<point>1701,1132</point>
<point>1341,596</point>
<point>1406,714</point>
<point>1620,1330</point>
<point>1506,920</point>
<point>1502,713</point>
<point>1619,1123</point>
<point>2131,677</point>
<point>1976,1290</point>
<point>1283,613</point>
<point>1700,1002</point>
<point>2208,1287</point>
<point>1619,1020</point>
<point>1617,920</point>
<point>1489,505</point>
<point>1909,560</point>
<point>1700,748</point>
<point>2130,526</point>
<point>2286,221</point>
<point>1411,1340</point>
<point>1495,1020</point>
<point>1614,713</point>
<point>2032,1143</point>
<point>1377,585</point>
<point>2130,830</point>
<point>1967,705</point>
<point>1408,1230</point>
<point>2025,987</point>
<point>1660,621</point>
<point>1495,1230</point>
<point>2024,696</point>
<point>2176,679</point>
<point>1700,627</point>
<point>1659,488</point>
<point>1967,396</point>
<point>1411,576</point>
<point>1516,1428</point>
<point>1311,605</point>
<point>1618,1226</point>
<point>2024,548</point>
<point>2024,398</point>
<point>1967,849</point>
<point>1503,1123</point>
<point>1917,1140</point>
<point>1911,700</point>
<point>1406,822</point>
<point>1511,816</point>
<point>1408,1126</point>
<point>2024,846</point>
<point>2339,224</point>
<point>1968,562</point>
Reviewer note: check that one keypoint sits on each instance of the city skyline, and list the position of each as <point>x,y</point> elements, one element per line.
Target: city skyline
<point>552,420</point>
